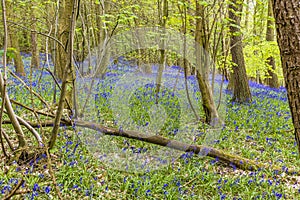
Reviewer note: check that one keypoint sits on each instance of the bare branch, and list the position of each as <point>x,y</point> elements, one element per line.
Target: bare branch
<point>30,89</point>
<point>13,192</point>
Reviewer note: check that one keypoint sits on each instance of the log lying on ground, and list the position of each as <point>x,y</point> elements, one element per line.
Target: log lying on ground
<point>230,159</point>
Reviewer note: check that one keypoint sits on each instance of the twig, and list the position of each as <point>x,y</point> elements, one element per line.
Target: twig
<point>52,174</point>
<point>7,140</point>
<point>31,109</point>
<point>30,89</point>
<point>37,32</point>
<point>30,128</point>
<point>13,192</point>
<point>2,145</point>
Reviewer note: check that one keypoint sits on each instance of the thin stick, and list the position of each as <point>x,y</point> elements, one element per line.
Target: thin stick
<point>30,89</point>
<point>3,89</point>
<point>2,145</point>
<point>31,109</point>
<point>13,192</point>
<point>7,140</point>
<point>49,163</point>
<point>30,128</point>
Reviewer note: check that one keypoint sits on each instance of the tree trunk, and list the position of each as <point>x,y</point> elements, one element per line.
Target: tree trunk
<point>61,61</point>
<point>247,15</point>
<point>241,90</point>
<point>14,42</point>
<point>273,80</point>
<point>287,18</point>
<point>211,113</point>
<point>4,95</point>
<point>202,39</point>
<point>163,15</point>
<point>35,61</point>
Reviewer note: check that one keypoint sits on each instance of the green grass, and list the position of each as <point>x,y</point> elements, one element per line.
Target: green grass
<point>260,131</point>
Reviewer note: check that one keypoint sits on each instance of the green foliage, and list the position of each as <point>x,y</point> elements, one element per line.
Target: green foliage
<point>10,53</point>
<point>256,58</point>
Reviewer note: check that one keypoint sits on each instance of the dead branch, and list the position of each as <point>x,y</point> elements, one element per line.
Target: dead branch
<point>13,192</point>
<point>30,90</point>
<point>7,140</point>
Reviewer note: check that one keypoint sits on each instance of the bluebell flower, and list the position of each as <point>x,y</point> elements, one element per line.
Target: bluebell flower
<point>223,196</point>
<point>47,189</point>
<point>36,187</point>
<point>270,182</point>
<point>148,192</point>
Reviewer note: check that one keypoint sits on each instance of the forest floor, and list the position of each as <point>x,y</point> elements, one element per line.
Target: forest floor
<point>261,131</point>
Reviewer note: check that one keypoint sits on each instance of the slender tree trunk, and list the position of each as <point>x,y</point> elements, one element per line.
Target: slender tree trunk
<point>61,61</point>
<point>4,95</point>
<point>103,54</point>
<point>19,66</point>
<point>14,42</point>
<point>202,38</point>
<point>241,90</point>
<point>35,61</point>
<point>247,15</point>
<point>163,15</point>
<point>287,18</point>
<point>71,9</point>
<point>273,80</point>
<point>211,114</point>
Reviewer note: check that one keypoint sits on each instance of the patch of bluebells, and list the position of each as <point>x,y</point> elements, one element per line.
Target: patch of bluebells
<point>261,95</point>
<point>44,88</point>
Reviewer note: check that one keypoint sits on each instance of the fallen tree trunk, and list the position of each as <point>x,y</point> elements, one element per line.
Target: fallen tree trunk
<point>233,160</point>
<point>230,159</point>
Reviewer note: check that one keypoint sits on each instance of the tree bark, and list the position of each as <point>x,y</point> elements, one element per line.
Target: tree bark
<point>287,19</point>
<point>163,16</point>
<point>201,37</point>
<point>208,104</point>
<point>241,90</point>
<point>68,78</point>
<point>14,42</point>
<point>61,61</point>
<point>35,61</point>
<point>273,80</point>
<point>4,95</point>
